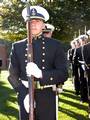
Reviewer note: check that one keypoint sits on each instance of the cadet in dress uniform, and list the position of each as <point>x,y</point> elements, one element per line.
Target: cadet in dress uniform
<point>83,39</point>
<point>75,68</point>
<point>49,67</point>
<point>86,56</point>
<point>74,65</point>
<point>48,30</point>
<point>70,54</point>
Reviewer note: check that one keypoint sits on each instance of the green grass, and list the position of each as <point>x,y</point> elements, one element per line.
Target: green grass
<point>69,104</point>
<point>8,101</point>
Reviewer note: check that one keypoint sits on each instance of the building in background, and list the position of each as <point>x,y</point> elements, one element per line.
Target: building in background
<point>3,56</point>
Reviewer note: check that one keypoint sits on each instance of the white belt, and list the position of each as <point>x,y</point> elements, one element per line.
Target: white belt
<point>48,86</point>
<point>25,83</point>
<point>82,62</point>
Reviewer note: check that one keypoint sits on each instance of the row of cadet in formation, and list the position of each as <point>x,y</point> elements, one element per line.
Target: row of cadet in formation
<point>79,59</point>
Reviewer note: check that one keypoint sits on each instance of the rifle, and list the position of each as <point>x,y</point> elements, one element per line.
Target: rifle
<point>30,59</point>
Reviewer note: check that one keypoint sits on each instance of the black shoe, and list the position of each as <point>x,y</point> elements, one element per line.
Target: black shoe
<point>84,100</point>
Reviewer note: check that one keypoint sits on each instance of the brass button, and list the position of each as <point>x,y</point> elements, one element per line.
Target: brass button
<point>43,67</point>
<point>26,61</point>
<point>43,60</point>
<point>43,48</point>
<point>43,54</point>
<point>26,55</point>
<point>51,78</point>
<point>43,42</point>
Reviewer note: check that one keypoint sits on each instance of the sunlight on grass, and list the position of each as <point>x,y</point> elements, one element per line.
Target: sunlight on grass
<point>4,117</point>
<point>3,76</point>
<point>8,106</point>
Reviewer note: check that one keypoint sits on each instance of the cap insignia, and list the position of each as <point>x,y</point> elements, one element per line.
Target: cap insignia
<point>33,12</point>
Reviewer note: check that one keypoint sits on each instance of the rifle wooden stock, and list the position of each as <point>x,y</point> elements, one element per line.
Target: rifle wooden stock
<point>31,98</point>
<point>30,79</point>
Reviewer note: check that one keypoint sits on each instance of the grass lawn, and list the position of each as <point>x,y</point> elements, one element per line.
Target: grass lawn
<point>70,107</point>
<point>8,101</point>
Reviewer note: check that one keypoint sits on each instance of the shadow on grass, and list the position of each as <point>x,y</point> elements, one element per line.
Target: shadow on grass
<point>70,94</point>
<point>72,100</point>
<point>7,101</point>
<point>79,106</point>
<point>74,115</point>
<point>70,91</point>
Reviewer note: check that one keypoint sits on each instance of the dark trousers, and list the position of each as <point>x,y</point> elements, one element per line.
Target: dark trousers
<point>45,105</point>
<point>83,86</point>
<point>23,115</point>
<point>76,79</point>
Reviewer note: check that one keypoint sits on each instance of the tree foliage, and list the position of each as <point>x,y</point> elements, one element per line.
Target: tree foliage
<point>12,22</point>
<point>68,16</point>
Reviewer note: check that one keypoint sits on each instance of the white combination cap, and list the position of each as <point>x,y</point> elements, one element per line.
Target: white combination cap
<point>48,28</point>
<point>35,12</point>
<point>83,37</point>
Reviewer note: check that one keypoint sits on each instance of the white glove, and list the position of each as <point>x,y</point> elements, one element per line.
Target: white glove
<point>83,67</point>
<point>26,103</point>
<point>33,69</point>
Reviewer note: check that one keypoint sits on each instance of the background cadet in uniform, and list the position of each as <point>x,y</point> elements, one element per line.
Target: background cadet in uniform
<point>75,68</point>
<point>49,67</point>
<point>48,30</point>
<point>70,53</point>
<point>86,58</point>
<point>83,39</point>
<point>86,55</point>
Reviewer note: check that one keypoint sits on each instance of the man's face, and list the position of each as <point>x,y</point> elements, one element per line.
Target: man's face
<point>36,26</point>
<point>83,42</point>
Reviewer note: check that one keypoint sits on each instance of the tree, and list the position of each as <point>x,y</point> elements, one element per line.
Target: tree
<point>68,16</point>
<point>12,22</point>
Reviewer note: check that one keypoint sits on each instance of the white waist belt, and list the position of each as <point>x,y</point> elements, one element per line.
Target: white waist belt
<point>82,62</point>
<point>25,83</point>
